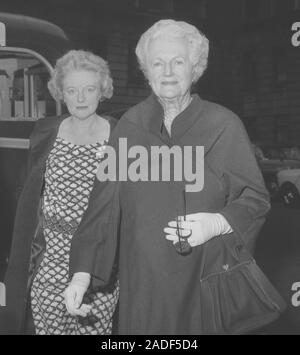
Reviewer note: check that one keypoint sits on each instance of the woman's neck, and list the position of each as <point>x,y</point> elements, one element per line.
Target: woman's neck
<point>88,131</point>
<point>173,108</point>
<point>86,125</point>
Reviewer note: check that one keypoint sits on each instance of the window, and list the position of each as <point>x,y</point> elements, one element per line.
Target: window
<point>251,9</point>
<point>281,6</point>
<point>202,10</point>
<point>135,75</point>
<point>279,67</point>
<point>251,128</point>
<point>154,5</point>
<point>249,71</point>
<point>281,130</point>
<point>97,44</point>
<point>23,87</point>
<point>2,34</point>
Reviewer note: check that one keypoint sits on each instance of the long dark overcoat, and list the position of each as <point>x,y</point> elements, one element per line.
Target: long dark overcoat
<point>28,241</point>
<point>159,289</point>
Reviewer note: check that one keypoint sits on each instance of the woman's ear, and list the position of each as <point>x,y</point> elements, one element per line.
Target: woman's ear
<point>62,99</point>
<point>197,73</point>
<point>60,96</point>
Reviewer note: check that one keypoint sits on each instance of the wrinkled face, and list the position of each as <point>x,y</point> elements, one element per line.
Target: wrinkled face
<point>169,70</point>
<point>81,93</point>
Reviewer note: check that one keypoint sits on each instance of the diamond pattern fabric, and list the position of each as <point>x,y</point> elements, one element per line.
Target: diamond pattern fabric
<point>69,177</point>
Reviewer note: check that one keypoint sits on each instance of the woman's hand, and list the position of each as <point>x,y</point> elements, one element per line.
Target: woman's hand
<point>200,226</point>
<point>74,294</point>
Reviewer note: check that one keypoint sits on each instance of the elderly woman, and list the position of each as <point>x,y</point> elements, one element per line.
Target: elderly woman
<point>166,232</point>
<point>64,156</point>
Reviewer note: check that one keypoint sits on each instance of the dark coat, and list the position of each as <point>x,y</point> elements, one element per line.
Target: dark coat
<point>28,240</point>
<point>159,288</point>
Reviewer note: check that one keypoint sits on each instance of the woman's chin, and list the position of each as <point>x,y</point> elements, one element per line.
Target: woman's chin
<point>82,115</point>
<point>169,96</point>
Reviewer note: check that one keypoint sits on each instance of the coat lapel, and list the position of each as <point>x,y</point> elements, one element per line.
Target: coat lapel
<point>42,142</point>
<point>152,120</point>
<point>187,118</point>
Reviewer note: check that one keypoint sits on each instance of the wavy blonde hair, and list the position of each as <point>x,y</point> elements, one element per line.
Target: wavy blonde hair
<point>80,60</point>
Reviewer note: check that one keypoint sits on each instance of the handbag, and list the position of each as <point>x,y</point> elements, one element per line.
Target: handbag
<point>236,297</point>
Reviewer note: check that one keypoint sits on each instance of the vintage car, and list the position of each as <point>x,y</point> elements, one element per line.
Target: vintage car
<point>29,48</point>
<point>280,167</point>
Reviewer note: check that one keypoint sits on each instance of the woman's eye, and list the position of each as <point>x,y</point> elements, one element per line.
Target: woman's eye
<point>91,89</point>
<point>179,62</point>
<point>70,91</point>
<point>157,64</point>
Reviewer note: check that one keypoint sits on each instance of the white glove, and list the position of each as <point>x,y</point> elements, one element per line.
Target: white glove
<point>200,226</point>
<point>74,294</point>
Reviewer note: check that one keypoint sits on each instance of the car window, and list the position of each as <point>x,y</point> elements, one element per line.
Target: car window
<point>23,87</point>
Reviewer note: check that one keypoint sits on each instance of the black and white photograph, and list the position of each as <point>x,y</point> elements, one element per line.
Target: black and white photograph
<point>150,169</point>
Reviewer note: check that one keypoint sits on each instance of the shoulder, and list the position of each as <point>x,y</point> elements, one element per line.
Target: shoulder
<point>221,118</point>
<point>52,122</point>
<point>45,126</point>
<point>111,120</point>
<point>136,112</point>
<point>220,114</point>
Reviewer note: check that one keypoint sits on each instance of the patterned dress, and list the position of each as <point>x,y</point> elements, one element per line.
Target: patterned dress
<point>69,177</point>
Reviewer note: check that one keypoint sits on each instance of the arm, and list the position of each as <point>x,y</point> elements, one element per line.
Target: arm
<point>94,245</point>
<point>247,199</point>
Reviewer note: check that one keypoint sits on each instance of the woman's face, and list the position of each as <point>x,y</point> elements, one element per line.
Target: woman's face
<point>81,93</point>
<point>170,71</point>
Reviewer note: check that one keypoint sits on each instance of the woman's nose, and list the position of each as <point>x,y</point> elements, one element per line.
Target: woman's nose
<point>81,96</point>
<point>168,69</point>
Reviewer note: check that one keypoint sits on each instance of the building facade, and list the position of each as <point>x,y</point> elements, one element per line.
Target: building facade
<point>253,66</point>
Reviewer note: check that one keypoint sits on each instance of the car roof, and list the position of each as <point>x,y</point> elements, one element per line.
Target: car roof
<point>42,36</point>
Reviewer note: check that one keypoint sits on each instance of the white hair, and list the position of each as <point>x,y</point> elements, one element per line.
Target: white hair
<point>198,44</point>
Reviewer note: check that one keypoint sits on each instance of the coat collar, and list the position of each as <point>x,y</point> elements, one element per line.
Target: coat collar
<point>46,132</point>
<point>153,118</point>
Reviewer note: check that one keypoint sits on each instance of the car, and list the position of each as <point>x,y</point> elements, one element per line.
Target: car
<point>289,187</point>
<point>29,48</point>
<point>280,167</point>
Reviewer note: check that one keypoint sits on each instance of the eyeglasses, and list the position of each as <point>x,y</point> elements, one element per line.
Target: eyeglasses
<point>182,246</point>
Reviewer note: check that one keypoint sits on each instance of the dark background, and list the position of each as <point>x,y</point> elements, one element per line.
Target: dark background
<point>253,66</point>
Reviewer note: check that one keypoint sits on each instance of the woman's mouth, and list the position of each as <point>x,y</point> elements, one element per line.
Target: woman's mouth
<point>169,82</point>
<point>81,107</point>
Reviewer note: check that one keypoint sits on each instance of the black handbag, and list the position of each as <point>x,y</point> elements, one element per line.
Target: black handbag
<point>236,297</point>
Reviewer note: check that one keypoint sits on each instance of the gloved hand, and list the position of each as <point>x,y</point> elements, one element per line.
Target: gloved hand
<point>200,226</point>
<point>74,294</point>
